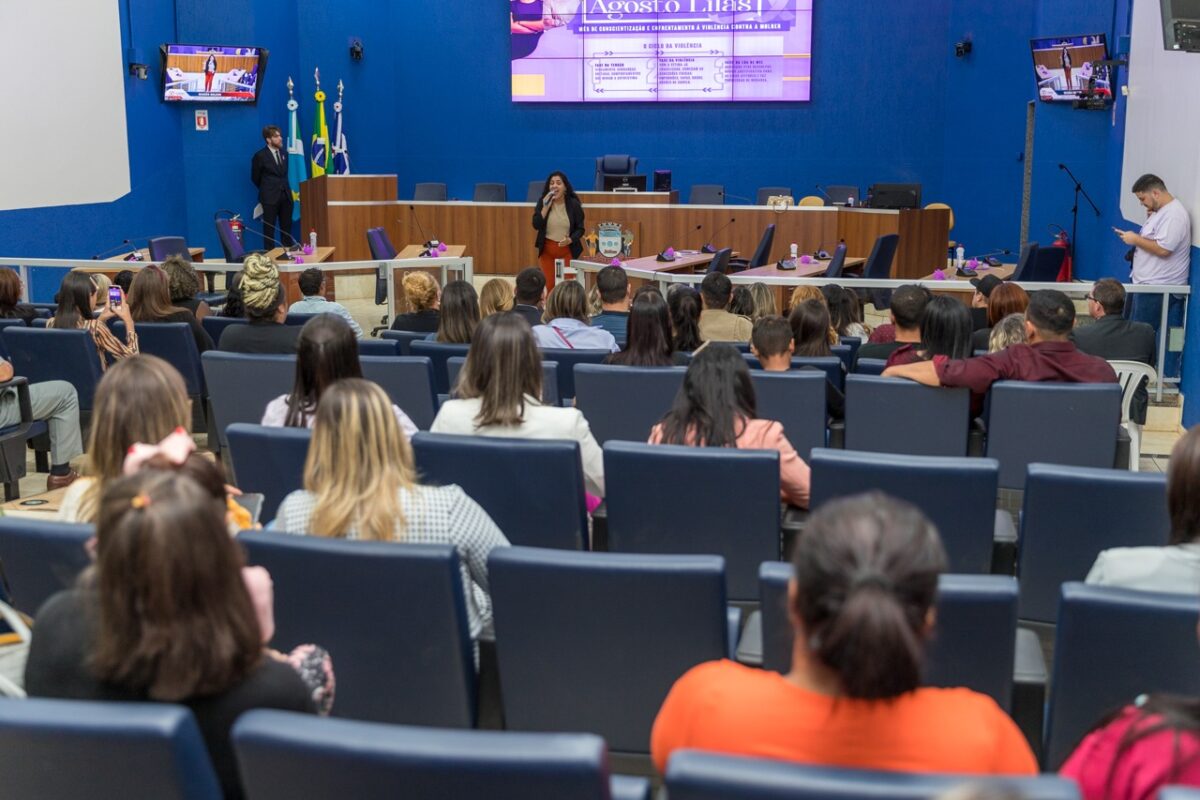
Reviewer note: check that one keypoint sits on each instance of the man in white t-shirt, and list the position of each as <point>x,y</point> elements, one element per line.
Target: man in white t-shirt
<point>1162,254</point>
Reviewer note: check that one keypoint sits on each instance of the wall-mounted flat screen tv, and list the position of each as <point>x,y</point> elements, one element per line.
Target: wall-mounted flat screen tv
<point>1070,68</point>
<point>201,73</point>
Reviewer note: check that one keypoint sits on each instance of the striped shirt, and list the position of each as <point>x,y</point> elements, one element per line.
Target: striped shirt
<point>107,342</point>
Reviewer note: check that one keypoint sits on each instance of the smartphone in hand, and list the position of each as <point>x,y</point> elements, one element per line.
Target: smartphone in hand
<point>114,295</point>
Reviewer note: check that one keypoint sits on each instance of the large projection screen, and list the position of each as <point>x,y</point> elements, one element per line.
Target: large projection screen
<point>611,51</point>
<point>63,135</point>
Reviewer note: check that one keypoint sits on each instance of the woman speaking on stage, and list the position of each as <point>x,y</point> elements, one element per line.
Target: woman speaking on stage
<point>558,219</point>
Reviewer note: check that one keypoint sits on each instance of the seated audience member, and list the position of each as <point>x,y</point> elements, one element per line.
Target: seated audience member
<point>529,294</point>
<point>764,301</point>
<point>124,279</point>
<point>77,300</point>
<point>1049,356</point>
<point>741,302</point>
<point>499,391</point>
<point>495,296</point>
<point>810,329</point>
<point>1176,566</point>
<point>312,287</point>
<point>1114,338</point>
<point>649,331</point>
<point>165,615</point>
<point>234,307</point>
<point>1010,330</point>
<point>458,315</point>
<point>423,298</point>
<point>150,301</point>
<point>802,293</point>
<point>184,285</point>
<point>717,323</point>
<point>716,407</point>
<point>140,399</point>
<point>613,284</point>
<point>980,298</point>
<point>326,352</point>
<point>567,325</point>
<point>594,304</point>
<point>862,609</point>
<point>907,308</point>
<point>845,313</point>
<point>360,483</point>
<point>772,344</point>
<point>683,304</point>
<point>266,309</point>
<point>1005,299</point>
<point>11,306</point>
<point>102,284</point>
<point>57,403</point>
<point>945,331</point>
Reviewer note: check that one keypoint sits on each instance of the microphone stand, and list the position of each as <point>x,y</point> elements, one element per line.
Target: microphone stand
<point>1075,210</point>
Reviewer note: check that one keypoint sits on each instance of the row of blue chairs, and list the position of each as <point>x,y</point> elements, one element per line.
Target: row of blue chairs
<point>601,641</point>
<point>118,750</point>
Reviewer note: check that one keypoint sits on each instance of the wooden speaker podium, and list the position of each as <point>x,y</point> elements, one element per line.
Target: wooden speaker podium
<point>343,227</point>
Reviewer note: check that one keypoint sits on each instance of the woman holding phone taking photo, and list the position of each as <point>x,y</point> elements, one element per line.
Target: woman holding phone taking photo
<point>558,220</point>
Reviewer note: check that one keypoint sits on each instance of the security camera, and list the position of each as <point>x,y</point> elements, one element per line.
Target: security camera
<point>356,50</point>
<point>139,71</point>
<point>962,48</point>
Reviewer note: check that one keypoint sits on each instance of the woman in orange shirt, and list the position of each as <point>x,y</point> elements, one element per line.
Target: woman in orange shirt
<point>716,407</point>
<point>861,607</point>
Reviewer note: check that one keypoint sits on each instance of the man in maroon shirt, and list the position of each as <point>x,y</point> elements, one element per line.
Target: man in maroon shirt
<point>1049,355</point>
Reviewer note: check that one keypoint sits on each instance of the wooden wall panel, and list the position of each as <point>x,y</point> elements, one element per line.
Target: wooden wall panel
<point>924,237</point>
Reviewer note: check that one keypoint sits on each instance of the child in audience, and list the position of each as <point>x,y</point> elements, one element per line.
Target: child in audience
<point>327,351</point>
<point>1010,330</point>
<point>810,329</point>
<point>360,483</point>
<point>772,344</point>
<point>498,395</point>
<point>566,324</point>
<point>458,315</point>
<point>683,303</point>
<point>716,407</point>
<point>496,296</point>
<point>77,301</point>
<point>649,342</point>
<point>861,610</point>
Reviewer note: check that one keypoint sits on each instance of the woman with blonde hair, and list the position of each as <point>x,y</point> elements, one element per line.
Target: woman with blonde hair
<point>496,296</point>
<point>265,306</point>
<point>139,399</point>
<point>764,301</point>
<point>423,297</point>
<point>1010,330</point>
<point>566,324</point>
<point>360,482</point>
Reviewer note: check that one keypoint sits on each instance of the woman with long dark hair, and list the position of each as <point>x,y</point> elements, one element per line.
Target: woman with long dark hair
<point>716,407</point>
<point>558,220</point>
<point>649,342</point>
<point>810,329</point>
<point>150,301</point>
<point>458,315</point>
<point>76,305</point>
<point>845,311</point>
<point>326,352</point>
<point>683,303</point>
<point>945,331</point>
<point>861,609</point>
<point>11,306</point>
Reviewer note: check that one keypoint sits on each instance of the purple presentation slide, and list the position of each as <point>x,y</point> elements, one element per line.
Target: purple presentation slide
<point>618,51</point>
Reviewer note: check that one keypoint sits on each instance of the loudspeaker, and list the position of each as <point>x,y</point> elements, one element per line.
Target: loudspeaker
<point>662,180</point>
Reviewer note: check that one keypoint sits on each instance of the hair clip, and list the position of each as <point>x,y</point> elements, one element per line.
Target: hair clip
<point>140,501</point>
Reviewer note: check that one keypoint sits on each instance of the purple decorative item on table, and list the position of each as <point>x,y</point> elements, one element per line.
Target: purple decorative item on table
<point>669,252</point>
<point>973,263</point>
<point>616,262</point>
<point>308,249</point>
<point>298,260</point>
<point>939,275</point>
<point>441,247</point>
<point>806,259</point>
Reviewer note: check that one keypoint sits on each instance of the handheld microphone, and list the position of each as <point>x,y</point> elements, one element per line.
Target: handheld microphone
<point>708,248</point>
<point>428,242</point>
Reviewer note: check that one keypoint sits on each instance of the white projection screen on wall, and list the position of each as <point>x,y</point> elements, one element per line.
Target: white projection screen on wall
<point>614,51</point>
<point>64,136</point>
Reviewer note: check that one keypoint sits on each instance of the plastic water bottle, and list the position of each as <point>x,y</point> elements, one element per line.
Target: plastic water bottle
<point>960,256</point>
<point>312,239</point>
<point>795,250</point>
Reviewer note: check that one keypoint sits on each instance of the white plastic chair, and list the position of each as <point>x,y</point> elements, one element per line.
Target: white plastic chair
<point>1129,375</point>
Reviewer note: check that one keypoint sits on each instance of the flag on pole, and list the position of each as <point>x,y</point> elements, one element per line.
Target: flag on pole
<point>297,169</point>
<point>320,137</point>
<point>341,152</point>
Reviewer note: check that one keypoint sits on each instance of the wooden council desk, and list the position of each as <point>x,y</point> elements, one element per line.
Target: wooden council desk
<point>414,251</point>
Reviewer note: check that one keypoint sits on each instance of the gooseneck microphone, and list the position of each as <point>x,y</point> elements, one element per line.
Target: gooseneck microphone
<point>708,248</point>
<point>428,242</point>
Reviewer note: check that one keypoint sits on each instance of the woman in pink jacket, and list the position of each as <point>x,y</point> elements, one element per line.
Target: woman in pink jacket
<point>716,407</point>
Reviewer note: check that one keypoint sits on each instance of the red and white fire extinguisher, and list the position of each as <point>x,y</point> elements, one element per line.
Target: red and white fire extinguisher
<point>1062,240</point>
<point>235,224</point>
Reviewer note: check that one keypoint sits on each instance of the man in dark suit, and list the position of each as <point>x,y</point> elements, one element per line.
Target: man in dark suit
<point>1114,338</point>
<point>269,172</point>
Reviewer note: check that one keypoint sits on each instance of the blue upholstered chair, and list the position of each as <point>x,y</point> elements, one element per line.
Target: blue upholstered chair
<point>797,400</point>
<point>234,251</point>
<point>694,775</point>
<point>974,642</point>
<point>1025,262</point>
<point>50,354</point>
<point>892,415</point>
<point>1046,266</point>
<point>625,402</point>
<point>879,267</point>
<point>215,325</point>
<point>409,383</point>
<point>268,461</point>
<point>841,195</point>
<point>405,338</point>
<point>567,359</point>
<point>1070,514</point>
<point>533,490</point>
<point>9,323</point>
<point>837,263</point>
<point>286,755</point>
<point>438,353</point>
<point>848,345</point>
<point>600,642</point>
<point>639,476</point>
<point>706,194</point>
<point>869,366</point>
<point>1112,645</point>
<point>240,385</point>
<point>45,310</point>
<point>830,365</point>
<point>41,558</point>
<point>1061,423</point>
<point>454,365</point>
<point>720,260</point>
<point>435,192</point>
<point>762,253</point>
<point>174,343</point>
<point>534,193</point>
<point>491,193</point>
<point>766,192</point>
<point>614,165</point>
<point>163,247</point>
<point>392,615</point>
<point>15,438</point>
<point>382,249</point>
<point>379,347</point>
<point>103,750</point>
<point>957,494</point>
<point>298,320</point>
